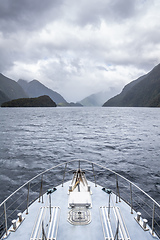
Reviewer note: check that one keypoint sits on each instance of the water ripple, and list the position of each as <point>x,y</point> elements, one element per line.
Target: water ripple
<point>124,139</point>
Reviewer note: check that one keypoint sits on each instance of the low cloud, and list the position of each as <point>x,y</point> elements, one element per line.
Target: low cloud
<point>79,48</point>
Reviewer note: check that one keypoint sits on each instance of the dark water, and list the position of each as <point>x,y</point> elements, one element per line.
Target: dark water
<point>126,140</point>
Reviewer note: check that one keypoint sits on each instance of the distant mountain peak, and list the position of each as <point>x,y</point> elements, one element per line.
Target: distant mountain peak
<point>35,88</point>
<point>35,81</point>
<point>97,99</point>
<point>10,89</point>
<point>143,92</point>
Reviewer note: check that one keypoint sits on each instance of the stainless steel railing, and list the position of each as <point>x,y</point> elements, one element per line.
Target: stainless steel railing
<point>20,200</point>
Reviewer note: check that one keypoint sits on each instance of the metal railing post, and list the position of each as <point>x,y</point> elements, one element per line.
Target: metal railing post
<point>131,198</point>
<point>94,175</point>
<point>79,166</point>
<point>5,215</point>
<point>153,216</point>
<point>27,198</point>
<point>109,205</point>
<point>41,190</point>
<point>64,174</point>
<point>117,190</point>
<point>50,207</point>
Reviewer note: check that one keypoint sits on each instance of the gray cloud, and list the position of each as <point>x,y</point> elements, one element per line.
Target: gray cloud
<point>70,44</point>
<point>17,15</point>
<point>92,12</point>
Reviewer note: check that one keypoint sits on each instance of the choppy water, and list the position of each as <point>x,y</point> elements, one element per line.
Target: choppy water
<point>124,139</point>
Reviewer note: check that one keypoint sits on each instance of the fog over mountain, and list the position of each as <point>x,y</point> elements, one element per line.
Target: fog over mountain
<point>98,99</point>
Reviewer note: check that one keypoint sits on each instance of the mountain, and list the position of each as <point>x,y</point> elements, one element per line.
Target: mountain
<point>143,92</point>
<point>10,89</point>
<point>36,89</point>
<point>97,99</point>
<point>42,101</point>
<point>71,104</point>
<point>3,97</point>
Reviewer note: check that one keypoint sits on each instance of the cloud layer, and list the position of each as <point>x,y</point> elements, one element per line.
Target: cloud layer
<point>79,48</point>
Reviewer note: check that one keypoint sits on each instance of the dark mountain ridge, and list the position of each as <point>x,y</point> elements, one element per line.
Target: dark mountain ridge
<point>42,101</point>
<point>3,97</point>
<point>10,89</point>
<point>143,92</point>
<point>36,89</point>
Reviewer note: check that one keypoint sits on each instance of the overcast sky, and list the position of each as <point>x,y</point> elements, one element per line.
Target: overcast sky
<point>79,47</point>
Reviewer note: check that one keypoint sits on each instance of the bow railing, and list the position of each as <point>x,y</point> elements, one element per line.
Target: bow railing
<point>24,196</point>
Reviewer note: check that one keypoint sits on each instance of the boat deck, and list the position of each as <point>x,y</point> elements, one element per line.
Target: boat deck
<point>97,227</point>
